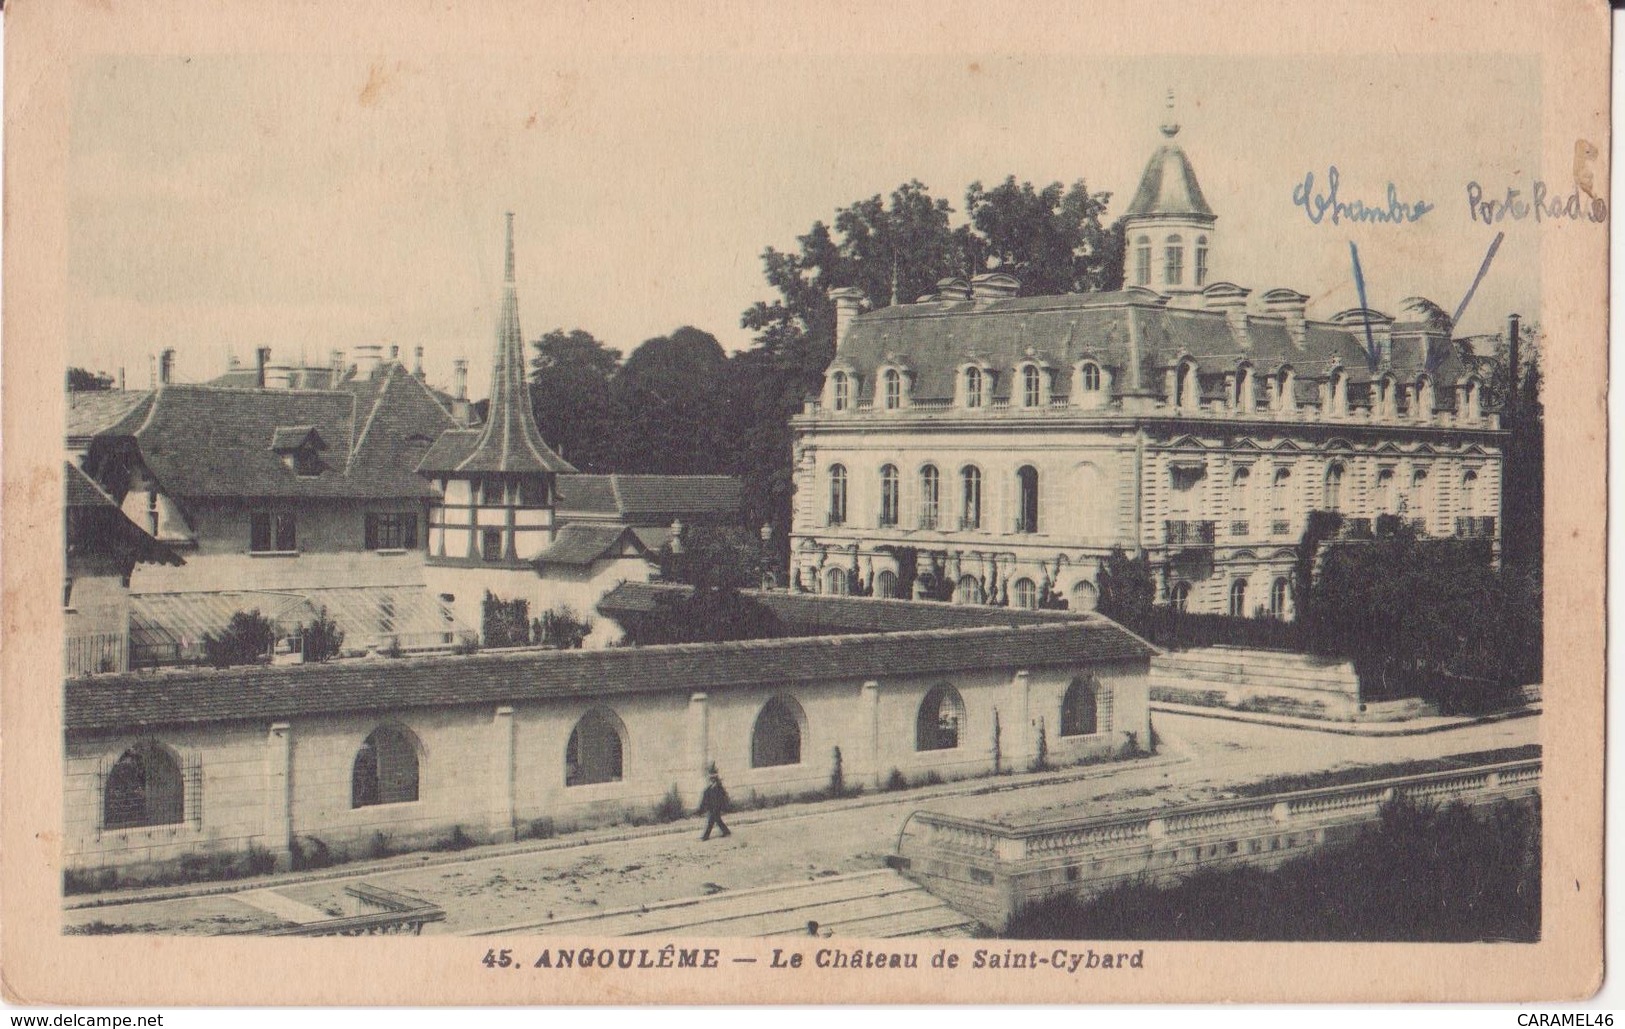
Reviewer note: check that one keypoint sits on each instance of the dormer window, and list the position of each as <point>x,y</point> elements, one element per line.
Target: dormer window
<point>973,386</point>
<point>1186,392</point>
<point>1469,401</point>
<point>840,387</point>
<point>1032,386</point>
<point>1245,392</point>
<point>1424,398</point>
<point>300,447</point>
<point>1089,377</point>
<point>1286,390</point>
<point>1337,393</point>
<point>892,382</point>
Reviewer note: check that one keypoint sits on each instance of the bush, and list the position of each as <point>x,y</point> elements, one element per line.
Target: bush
<point>670,808</point>
<point>505,623</point>
<point>310,853</point>
<point>561,629</point>
<point>837,778</point>
<point>458,840</point>
<point>379,846</point>
<point>323,639</point>
<point>246,640</point>
<point>895,781</point>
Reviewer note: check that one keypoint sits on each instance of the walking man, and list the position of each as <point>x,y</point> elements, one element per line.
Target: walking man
<point>714,804</point>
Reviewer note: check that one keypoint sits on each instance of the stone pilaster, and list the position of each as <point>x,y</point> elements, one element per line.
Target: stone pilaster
<point>871,724</point>
<point>699,738</point>
<point>501,806</point>
<point>278,836</point>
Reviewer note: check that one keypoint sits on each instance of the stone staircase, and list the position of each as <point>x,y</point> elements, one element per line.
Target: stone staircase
<point>865,905</point>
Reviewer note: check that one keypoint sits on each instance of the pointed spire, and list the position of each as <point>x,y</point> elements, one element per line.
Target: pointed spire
<point>1170,127</point>
<point>510,442</point>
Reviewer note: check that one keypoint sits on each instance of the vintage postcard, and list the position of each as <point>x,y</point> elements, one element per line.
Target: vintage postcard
<point>725,502</point>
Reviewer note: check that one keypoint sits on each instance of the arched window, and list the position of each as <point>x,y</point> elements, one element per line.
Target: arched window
<point>1286,390</point>
<point>1142,261</point>
<point>941,716</point>
<point>1469,492</point>
<point>1241,502</point>
<point>841,391</point>
<point>969,590</point>
<point>386,768</point>
<point>1201,260</point>
<point>1421,498</point>
<point>888,495</point>
<point>1179,597</point>
<point>1281,502</point>
<point>886,584</point>
<point>1031,386</point>
<point>776,739</point>
<point>594,751</point>
<point>893,381</point>
<point>1090,377</point>
<point>1084,596</point>
<point>930,496</point>
<point>1026,594</point>
<point>144,787</point>
<point>1173,253</point>
<point>973,387</point>
<point>1245,390</point>
<point>1469,401</point>
<point>1384,497</point>
<point>1080,707</point>
<point>1334,488</point>
<point>1185,385</point>
<point>837,494</point>
<point>1424,398</point>
<point>970,510</point>
<point>1338,392</point>
<point>837,582</point>
<point>1238,599</point>
<point>1027,517</point>
<point>1280,598</point>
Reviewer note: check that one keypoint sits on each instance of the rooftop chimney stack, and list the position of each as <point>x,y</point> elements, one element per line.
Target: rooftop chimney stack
<point>994,286</point>
<point>152,371</point>
<point>394,352</point>
<point>368,358</point>
<point>166,365</point>
<point>262,357</point>
<point>460,409</point>
<point>1514,355</point>
<point>335,362</point>
<point>232,364</point>
<point>417,361</point>
<point>121,378</point>
<point>848,304</point>
<point>1291,306</point>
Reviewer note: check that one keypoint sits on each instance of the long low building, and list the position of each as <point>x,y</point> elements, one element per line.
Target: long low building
<point>169,766</point>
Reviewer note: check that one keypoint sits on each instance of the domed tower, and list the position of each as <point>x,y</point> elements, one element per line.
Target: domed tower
<point>1168,227</point>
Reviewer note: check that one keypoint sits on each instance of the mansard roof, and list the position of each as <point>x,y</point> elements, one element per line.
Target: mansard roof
<point>215,441</point>
<point>120,703</point>
<point>1135,332</point>
<point>95,523</point>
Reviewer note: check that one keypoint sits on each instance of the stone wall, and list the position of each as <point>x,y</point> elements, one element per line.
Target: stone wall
<point>497,772</point>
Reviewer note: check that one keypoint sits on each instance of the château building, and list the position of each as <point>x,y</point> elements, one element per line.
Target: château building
<point>999,446</point>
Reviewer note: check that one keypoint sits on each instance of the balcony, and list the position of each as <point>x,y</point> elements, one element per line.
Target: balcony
<point>1281,527</point>
<point>1181,532</point>
<point>1240,528</point>
<point>1475,527</point>
<point>1355,528</point>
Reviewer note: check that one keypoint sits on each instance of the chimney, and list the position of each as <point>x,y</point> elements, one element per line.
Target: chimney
<point>994,286</point>
<point>335,363</point>
<point>953,288</point>
<point>278,376</point>
<point>232,364</point>
<point>1232,302</point>
<point>848,304</point>
<point>152,371</point>
<point>166,365</point>
<point>1289,305</point>
<point>460,409</point>
<point>121,378</point>
<point>1514,355</point>
<point>394,353</point>
<point>417,361</point>
<point>368,358</point>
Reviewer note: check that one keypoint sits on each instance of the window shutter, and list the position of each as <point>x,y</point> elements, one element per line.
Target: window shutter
<point>194,790</point>
<point>371,533</point>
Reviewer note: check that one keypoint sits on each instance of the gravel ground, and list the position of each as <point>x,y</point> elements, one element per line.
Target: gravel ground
<point>1201,759</point>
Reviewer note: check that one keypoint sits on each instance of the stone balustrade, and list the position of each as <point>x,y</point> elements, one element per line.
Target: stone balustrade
<point>991,870</point>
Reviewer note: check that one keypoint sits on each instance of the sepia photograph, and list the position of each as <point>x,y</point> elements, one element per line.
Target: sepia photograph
<point>823,507</point>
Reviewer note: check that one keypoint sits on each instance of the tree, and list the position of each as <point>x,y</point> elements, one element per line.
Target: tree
<point>1051,239</point>
<point>576,408</point>
<point>670,391</point>
<point>1127,589</point>
<point>323,640</point>
<point>81,380</point>
<point>246,640</point>
<point>505,623</point>
<point>713,557</point>
<point>561,628</point>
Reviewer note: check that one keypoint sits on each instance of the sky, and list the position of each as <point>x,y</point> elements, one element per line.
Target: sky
<point>307,203</point>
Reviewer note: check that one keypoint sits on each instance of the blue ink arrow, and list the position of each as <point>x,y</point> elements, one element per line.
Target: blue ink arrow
<point>1359,282</point>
